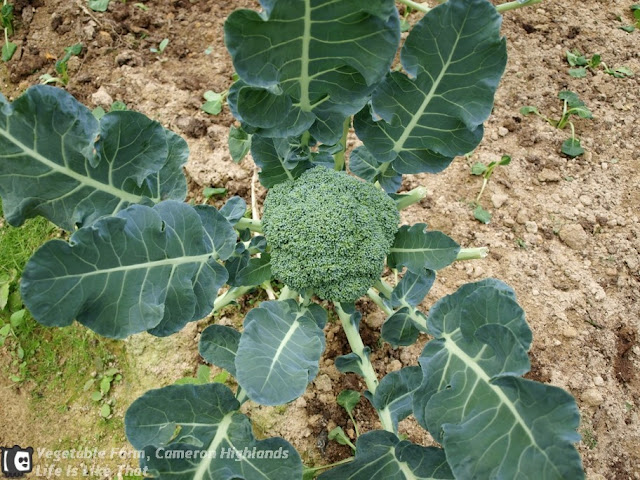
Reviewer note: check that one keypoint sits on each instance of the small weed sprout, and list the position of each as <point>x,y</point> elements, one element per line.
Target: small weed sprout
<point>485,171</point>
<point>571,106</point>
<point>62,67</point>
<point>162,46</point>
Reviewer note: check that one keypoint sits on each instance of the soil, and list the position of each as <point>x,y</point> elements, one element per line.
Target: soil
<point>565,232</point>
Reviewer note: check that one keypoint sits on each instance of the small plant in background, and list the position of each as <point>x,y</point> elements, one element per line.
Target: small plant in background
<point>6,19</point>
<point>203,376</point>
<point>116,106</point>
<point>581,64</point>
<point>485,171</point>
<point>162,46</point>
<point>102,384</point>
<point>62,66</point>
<point>572,106</point>
<point>214,101</point>
<point>635,10</point>
<point>98,5</point>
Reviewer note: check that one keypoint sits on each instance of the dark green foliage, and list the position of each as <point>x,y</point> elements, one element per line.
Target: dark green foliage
<point>329,233</point>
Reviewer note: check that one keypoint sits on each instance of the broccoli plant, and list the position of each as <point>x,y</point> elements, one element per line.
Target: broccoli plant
<point>140,259</point>
<point>6,19</point>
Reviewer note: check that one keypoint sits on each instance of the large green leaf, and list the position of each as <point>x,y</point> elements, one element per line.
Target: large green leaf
<point>418,249</point>
<point>58,161</point>
<point>491,422</point>
<point>279,351</point>
<point>309,64</point>
<point>146,268</point>
<point>454,57</point>
<point>200,427</point>
<point>382,456</point>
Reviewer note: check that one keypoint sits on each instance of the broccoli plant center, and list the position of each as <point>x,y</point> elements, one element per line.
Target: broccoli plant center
<point>329,233</point>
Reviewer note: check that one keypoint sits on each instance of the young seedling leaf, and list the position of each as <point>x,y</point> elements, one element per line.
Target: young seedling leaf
<point>381,455</point>
<point>571,98</point>
<point>576,59</point>
<point>218,346</point>
<point>105,385</point>
<point>203,375</point>
<point>239,143</point>
<point>528,110</point>
<point>278,352</point>
<point>419,249</point>
<point>627,28</point>
<point>454,57</point>
<point>477,358</point>
<point>338,435</point>
<point>208,422</point>
<point>144,269</point>
<point>572,147</point>
<point>67,176</point>
<point>212,191</point>
<point>213,104</point>
<point>481,214</point>
<point>309,75</point>
<point>478,168</point>
<point>105,411</point>
<point>99,5</point>
<point>8,49</point>
<point>348,399</point>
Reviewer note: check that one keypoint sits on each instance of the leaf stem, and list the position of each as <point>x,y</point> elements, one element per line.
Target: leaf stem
<point>505,7</point>
<point>250,223</point>
<point>338,157</point>
<point>383,287</point>
<point>287,293</point>
<point>228,297</point>
<point>472,253</point>
<point>369,374</point>
<point>324,467</point>
<point>371,293</point>
<point>241,395</point>
<point>411,197</point>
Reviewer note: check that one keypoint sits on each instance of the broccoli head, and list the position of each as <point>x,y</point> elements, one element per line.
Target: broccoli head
<point>329,232</point>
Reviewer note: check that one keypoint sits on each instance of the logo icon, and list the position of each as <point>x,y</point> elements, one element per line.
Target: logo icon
<point>16,461</point>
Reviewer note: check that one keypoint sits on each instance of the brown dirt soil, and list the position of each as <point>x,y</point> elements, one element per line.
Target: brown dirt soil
<point>565,233</point>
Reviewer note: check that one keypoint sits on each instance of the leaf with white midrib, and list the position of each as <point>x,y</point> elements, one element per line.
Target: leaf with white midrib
<point>58,161</point>
<point>147,268</point>
<point>201,424</point>
<point>315,72</point>
<point>381,455</point>
<point>491,422</point>
<point>279,351</point>
<point>454,58</point>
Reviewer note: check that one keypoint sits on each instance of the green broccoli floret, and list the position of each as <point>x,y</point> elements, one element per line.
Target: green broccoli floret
<point>329,232</point>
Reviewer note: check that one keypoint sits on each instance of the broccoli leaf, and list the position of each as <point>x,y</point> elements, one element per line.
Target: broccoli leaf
<point>234,209</point>
<point>315,72</point>
<point>363,164</point>
<point>403,327</point>
<point>278,352</point>
<point>143,269</point>
<point>58,161</point>
<point>454,57</point>
<point>381,455</point>
<point>412,288</point>
<point>395,393</point>
<point>257,271</point>
<point>278,160</point>
<point>490,421</point>
<point>196,425</point>
<point>419,249</point>
<point>218,346</point>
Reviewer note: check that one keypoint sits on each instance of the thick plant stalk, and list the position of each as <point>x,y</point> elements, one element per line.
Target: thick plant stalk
<point>338,158</point>
<point>505,7</point>
<point>369,374</point>
<point>250,223</point>
<point>228,297</point>
<point>411,197</point>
